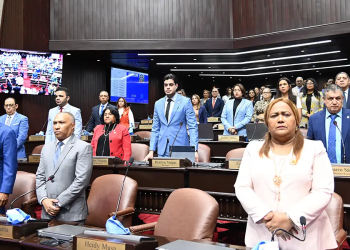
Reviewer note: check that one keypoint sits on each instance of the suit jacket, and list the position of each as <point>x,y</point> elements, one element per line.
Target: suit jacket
<point>72,176</point>
<point>244,113</point>
<point>217,110</point>
<point>306,190</point>
<point>297,91</point>
<point>119,141</point>
<point>348,100</point>
<point>317,130</point>
<point>19,124</point>
<point>316,105</point>
<point>95,117</point>
<point>202,115</point>
<point>50,136</point>
<point>163,132</point>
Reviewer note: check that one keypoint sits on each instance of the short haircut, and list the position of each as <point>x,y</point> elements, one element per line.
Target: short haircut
<point>341,73</point>
<point>63,89</point>
<point>70,114</point>
<point>170,77</point>
<point>12,99</point>
<point>332,88</point>
<point>113,111</point>
<point>241,87</point>
<point>102,91</point>
<point>299,77</point>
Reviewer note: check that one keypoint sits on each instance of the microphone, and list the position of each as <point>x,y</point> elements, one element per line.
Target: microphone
<point>171,148</point>
<point>41,130</point>
<point>48,179</point>
<point>341,136</point>
<point>255,122</point>
<point>303,227</point>
<point>87,123</point>
<point>128,164</point>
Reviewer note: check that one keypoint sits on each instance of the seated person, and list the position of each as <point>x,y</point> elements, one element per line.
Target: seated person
<point>111,138</point>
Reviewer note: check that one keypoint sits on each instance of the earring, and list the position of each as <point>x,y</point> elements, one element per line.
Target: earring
<point>296,129</point>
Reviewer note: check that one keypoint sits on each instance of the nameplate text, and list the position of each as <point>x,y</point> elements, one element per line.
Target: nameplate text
<point>145,127</point>
<point>100,162</point>
<point>228,137</point>
<point>146,121</point>
<point>341,170</point>
<point>90,244</point>
<point>34,158</point>
<point>36,138</point>
<point>213,119</point>
<point>166,163</point>
<point>86,137</point>
<point>234,164</point>
<point>6,231</point>
<point>221,127</point>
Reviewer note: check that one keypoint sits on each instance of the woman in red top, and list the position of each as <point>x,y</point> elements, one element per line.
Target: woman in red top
<point>125,113</point>
<point>111,138</point>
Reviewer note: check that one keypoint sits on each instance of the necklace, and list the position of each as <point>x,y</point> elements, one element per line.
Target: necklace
<point>104,130</point>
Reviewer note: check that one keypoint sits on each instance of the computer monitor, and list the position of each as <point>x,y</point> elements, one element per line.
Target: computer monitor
<point>183,152</point>
<point>205,132</point>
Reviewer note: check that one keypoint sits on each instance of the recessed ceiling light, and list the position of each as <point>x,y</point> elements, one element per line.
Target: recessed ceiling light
<point>302,51</point>
<point>266,78</point>
<point>273,62</point>
<point>213,77</point>
<point>209,67</point>
<point>194,59</point>
<point>98,60</point>
<point>68,54</point>
<point>189,75</point>
<point>268,55</point>
<point>213,80</point>
<point>320,73</point>
<point>202,72</point>
<point>239,79</point>
<point>317,71</point>
<point>292,76</point>
<point>277,69</point>
<point>280,74</point>
<point>175,67</point>
<point>152,59</point>
<point>230,76</point>
<point>223,72</point>
<point>313,66</point>
<point>309,58</point>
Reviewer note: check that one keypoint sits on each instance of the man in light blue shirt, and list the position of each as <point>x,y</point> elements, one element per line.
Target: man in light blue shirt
<point>332,125</point>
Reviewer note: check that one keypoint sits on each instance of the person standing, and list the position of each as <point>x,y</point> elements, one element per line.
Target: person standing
<point>8,164</point>
<point>69,159</point>
<point>284,90</point>
<point>172,114</point>
<point>214,105</point>
<point>343,81</point>
<point>228,95</point>
<point>125,113</point>
<point>206,96</point>
<point>299,82</point>
<point>19,124</point>
<point>62,98</point>
<point>201,113</point>
<point>96,112</point>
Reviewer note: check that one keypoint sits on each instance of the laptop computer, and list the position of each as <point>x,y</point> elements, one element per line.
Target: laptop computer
<point>183,152</point>
<point>205,132</point>
<point>256,131</point>
<point>62,232</point>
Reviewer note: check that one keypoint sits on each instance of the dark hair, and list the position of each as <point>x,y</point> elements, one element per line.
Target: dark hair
<point>63,89</point>
<point>241,87</point>
<point>253,92</point>
<point>227,91</point>
<point>113,112</point>
<point>125,103</point>
<point>316,93</point>
<point>13,100</point>
<point>170,76</point>
<point>291,97</point>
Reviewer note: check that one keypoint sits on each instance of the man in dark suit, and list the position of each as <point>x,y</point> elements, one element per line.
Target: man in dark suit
<point>323,125</point>
<point>214,105</point>
<point>8,164</point>
<point>343,81</point>
<point>97,111</point>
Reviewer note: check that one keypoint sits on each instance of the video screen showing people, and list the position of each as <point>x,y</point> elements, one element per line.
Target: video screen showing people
<point>32,73</point>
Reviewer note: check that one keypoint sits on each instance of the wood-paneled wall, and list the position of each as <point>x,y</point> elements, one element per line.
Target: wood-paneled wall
<point>135,19</point>
<point>266,16</point>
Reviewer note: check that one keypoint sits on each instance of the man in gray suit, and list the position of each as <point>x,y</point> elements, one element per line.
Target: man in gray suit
<point>70,161</point>
<point>62,98</point>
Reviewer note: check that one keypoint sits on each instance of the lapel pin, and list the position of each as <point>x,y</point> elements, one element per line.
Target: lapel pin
<point>347,117</point>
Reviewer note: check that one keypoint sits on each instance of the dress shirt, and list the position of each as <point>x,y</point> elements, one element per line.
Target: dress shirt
<point>11,118</point>
<point>63,109</point>
<point>338,142</point>
<point>171,105</point>
<point>105,106</point>
<point>130,115</point>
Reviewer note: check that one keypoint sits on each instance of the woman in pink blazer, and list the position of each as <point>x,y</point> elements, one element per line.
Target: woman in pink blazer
<point>283,178</point>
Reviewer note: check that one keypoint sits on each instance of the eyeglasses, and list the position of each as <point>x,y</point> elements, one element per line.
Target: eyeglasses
<point>214,91</point>
<point>310,83</point>
<point>9,105</point>
<point>266,92</point>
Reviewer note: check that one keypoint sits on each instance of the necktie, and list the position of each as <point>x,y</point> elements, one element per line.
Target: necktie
<point>167,110</point>
<point>344,100</point>
<point>102,107</point>
<point>332,141</point>
<point>58,152</point>
<point>8,121</point>
<point>213,102</point>
<point>61,109</point>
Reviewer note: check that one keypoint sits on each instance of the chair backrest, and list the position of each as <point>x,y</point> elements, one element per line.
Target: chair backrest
<point>188,214</point>
<point>235,153</point>
<point>37,150</point>
<point>139,151</point>
<point>204,153</point>
<point>304,132</point>
<point>24,183</point>
<point>103,198</point>
<point>143,134</point>
<point>335,212</point>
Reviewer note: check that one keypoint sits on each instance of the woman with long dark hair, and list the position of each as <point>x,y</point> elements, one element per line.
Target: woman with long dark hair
<point>252,96</point>
<point>228,95</point>
<point>284,90</point>
<point>311,101</point>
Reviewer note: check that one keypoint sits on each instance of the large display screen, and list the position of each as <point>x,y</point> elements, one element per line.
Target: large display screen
<point>131,85</point>
<point>30,72</point>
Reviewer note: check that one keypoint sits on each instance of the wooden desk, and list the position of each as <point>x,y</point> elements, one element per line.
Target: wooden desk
<point>9,244</point>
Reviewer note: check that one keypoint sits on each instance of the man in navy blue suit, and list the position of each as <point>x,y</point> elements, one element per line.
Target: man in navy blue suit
<point>8,164</point>
<point>326,125</point>
<point>172,115</point>
<point>97,111</point>
<point>214,105</point>
<point>343,81</point>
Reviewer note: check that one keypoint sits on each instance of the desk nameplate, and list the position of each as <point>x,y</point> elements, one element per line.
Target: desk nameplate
<point>36,138</point>
<point>341,170</point>
<point>234,164</point>
<point>94,244</point>
<point>34,158</point>
<point>146,121</point>
<point>106,161</point>
<point>213,119</point>
<point>145,127</point>
<point>166,163</point>
<point>86,137</point>
<point>6,231</point>
<point>221,127</point>
<point>228,138</point>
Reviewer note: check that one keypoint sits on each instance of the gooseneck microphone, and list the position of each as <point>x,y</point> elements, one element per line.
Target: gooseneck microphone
<point>48,179</point>
<point>128,164</point>
<point>303,227</point>
<point>43,126</point>
<point>171,148</point>
<point>87,123</point>
<point>255,122</point>
<point>342,140</point>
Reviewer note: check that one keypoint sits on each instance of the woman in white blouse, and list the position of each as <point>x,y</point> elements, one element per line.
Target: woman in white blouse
<point>125,113</point>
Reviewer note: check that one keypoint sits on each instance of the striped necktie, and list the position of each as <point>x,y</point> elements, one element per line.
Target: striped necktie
<point>332,155</point>
<point>58,152</point>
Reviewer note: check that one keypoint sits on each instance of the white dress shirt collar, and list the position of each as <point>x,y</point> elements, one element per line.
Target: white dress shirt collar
<point>172,98</point>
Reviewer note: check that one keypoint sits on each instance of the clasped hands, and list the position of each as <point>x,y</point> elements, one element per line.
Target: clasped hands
<point>50,207</point>
<point>275,220</point>
<point>233,131</point>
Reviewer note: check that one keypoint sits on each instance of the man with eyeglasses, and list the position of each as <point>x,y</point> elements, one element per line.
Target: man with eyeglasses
<point>19,124</point>
<point>172,114</point>
<point>299,85</point>
<point>214,105</point>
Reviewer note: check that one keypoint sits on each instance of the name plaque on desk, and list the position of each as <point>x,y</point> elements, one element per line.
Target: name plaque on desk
<point>34,158</point>
<point>339,170</point>
<point>145,126</point>
<point>229,138</point>
<point>86,137</point>
<point>6,231</point>
<point>221,127</point>
<point>166,163</point>
<point>92,244</point>
<point>106,161</point>
<point>233,163</point>
<point>36,138</point>
<point>146,121</point>
<point>213,119</point>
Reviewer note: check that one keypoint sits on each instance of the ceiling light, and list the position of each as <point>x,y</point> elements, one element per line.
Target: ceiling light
<point>223,72</point>
<point>277,69</point>
<point>209,67</point>
<point>213,77</point>
<point>313,66</point>
<point>230,76</point>
<point>68,54</point>
<point>194,59</point>
<point>239,79</point>
<point>202,72</point>
<point>98,60</point>
<point>317,71</point>
<point>189,75</point>
<point>256,61</point>
<point>273,62</point>
<point>239,53</point>
<point>302,51</point>
<point>268,55</point>
<point>175,67</point>
<point>266,78</point>
<point>152,59</point>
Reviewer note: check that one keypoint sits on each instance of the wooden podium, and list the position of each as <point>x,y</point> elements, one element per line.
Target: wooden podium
<point>18,231</point>
<point>166,162</point>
